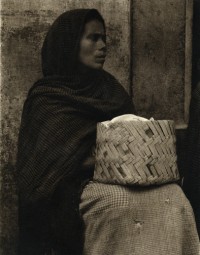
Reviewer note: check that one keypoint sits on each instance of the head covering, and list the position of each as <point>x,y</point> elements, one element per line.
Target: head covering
<point>61,45</point>
<point>58,125</point>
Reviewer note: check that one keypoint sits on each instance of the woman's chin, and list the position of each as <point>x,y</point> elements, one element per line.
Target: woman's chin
<point>98,66</point>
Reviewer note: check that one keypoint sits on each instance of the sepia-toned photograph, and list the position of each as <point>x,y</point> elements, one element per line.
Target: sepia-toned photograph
<point>100,127</point>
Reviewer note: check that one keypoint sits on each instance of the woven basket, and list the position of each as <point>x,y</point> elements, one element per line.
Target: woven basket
<point>136,152</point>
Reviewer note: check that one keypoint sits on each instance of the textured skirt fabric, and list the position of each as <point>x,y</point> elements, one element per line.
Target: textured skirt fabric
<point>123,220</point>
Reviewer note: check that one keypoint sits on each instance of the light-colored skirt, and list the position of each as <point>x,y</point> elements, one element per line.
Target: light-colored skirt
<point>123,220</point>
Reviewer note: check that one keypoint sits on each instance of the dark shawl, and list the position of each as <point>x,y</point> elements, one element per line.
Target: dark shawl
<point>192,177</point>
<point>58,130</point>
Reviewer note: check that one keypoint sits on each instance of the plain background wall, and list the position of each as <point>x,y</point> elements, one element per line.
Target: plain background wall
<point>162,58</point>
<point>148,57</point>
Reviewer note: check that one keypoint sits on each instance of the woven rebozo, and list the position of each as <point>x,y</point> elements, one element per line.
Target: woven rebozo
<point>136,152</point>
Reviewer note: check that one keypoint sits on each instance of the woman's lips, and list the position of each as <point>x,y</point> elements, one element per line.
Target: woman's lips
<point>100,59</point>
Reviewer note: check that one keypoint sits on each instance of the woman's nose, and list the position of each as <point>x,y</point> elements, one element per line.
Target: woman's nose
<point>101,45</point>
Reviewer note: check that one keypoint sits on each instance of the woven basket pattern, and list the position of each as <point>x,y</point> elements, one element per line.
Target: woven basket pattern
<point>136,153</point>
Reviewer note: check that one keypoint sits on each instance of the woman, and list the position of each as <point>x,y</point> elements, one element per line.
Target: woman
<point>58,131</point>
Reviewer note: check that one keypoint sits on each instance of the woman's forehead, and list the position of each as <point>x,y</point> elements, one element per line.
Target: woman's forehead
<point>94,27</point>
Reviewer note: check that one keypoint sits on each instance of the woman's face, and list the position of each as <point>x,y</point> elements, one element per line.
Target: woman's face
<point>93,45</point>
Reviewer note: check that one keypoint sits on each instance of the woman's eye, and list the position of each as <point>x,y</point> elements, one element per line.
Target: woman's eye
<point>96,37</point>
